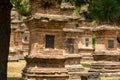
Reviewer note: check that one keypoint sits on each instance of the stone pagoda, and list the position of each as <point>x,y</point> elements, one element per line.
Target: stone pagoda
<point>107,53</point>
<point>15,23</point>
<point>45,60</point>
<point>85,45</point>
<point>72,55</point>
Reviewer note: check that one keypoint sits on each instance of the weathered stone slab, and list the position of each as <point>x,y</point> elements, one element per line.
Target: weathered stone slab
<point>106,68</point>
<point>106,63</point>
<point>106,55</point>
<point>90,76</point>
<point>87,54</point>
<point>13,55</point>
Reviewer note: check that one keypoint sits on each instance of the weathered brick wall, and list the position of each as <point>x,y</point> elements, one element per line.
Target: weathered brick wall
<point>38,43</point>
<point>37,6</point>
<point>25,40</point>
<point>53,8</point>
<point>45,63</point>
<point>102,38</point>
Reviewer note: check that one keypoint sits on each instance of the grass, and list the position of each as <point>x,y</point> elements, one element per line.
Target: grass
<point>13,78</point>
<point>86,65</point>
<point>15,70</point>
<point>110,78</point>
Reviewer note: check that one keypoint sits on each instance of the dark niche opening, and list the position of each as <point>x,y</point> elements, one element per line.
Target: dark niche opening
<point>49,41</point>
<point>70,45</point>
<point>110,44</point>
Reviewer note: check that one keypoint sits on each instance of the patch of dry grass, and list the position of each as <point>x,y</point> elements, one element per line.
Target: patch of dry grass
<point>86,65</point>
<point>110,78</point>
<point>15,69</point>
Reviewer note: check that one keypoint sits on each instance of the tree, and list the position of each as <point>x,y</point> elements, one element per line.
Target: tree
<point>77,4</point>
<point>22,7</point>
<point>5,8</point>
<point>107,11</point>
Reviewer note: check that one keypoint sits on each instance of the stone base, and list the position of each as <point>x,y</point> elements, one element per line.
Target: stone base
<point>87,57</point>
<point>110,74</point>
<point>107,56</point>
<point>45,67</point>
<point>74,71</point>
<point>84,76</point>
<point>86,54</point>
<point>90,76</point>
<point>44,74</point>
<point>74,75</point>
<point>75,68</point>
<point>53,78</point>
<point>73,65</point>
<point>106,68</point>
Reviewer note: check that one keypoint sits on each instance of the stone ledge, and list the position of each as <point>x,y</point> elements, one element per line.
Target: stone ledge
<point>85,75</point>
<point>72,56</point>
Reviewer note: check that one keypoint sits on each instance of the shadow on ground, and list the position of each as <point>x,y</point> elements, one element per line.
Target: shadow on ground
<point>13,78</point>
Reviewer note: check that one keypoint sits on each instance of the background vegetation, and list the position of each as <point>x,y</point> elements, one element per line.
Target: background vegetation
<point>103,11</point>
<point>22,6</point>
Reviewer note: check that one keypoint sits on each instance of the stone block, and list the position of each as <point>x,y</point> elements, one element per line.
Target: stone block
<point>90,76</point>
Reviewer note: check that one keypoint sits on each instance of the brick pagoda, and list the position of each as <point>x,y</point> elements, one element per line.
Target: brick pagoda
<point>107,53</point>
<point>45,60</point>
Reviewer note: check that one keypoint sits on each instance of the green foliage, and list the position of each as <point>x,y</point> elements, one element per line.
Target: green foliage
<point>76,11</point>
<point>93,41</point>
<point>77,4</point>
<point>107,11</point>
<point>22,6</point>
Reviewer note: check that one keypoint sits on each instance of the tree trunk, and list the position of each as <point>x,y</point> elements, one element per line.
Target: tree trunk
<point>5,8</point>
